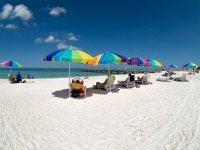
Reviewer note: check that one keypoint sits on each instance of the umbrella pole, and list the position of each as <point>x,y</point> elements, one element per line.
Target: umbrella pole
<point>149,74</point>
<point>69,80</point>
<point>109,75</point>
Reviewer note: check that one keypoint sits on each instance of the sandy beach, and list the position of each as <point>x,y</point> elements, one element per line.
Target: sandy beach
<point>160,116</point>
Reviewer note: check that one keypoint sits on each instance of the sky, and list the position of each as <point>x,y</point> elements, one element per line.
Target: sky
<point>165,30</point>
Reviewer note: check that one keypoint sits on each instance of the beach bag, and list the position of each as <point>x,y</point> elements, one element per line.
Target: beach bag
<point>75,93</point>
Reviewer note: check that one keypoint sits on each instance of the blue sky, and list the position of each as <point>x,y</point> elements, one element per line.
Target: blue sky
<point>166,30</point>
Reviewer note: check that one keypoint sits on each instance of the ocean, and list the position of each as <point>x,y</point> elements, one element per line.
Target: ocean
<point>46,73</point>
<point>60,73</point>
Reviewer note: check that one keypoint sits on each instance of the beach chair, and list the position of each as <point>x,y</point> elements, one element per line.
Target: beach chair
<point>109,85</point>
<point>128,83</point>
<point>182,78</point>
<point>145,80</point>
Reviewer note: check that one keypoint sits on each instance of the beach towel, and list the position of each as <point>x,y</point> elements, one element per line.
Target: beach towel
<point>164,79</point>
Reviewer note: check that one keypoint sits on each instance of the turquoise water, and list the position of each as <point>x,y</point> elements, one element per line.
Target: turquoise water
<point>50,73</point>
<point>47,73</point>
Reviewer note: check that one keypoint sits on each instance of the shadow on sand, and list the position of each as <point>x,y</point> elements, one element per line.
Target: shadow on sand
<point>64,94</point>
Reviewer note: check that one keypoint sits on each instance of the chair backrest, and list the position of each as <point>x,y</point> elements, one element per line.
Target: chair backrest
<point>128,79</point>
<point>145,78</point>
<point>110,81</point>
<point>184,76</point>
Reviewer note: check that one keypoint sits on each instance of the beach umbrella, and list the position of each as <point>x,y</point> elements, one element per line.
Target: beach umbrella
<point>136,61</point>
<point>124,60</point>
<point>190,65</point>
<point>10,63</point>
<point>110,58</point>
<point>154,63</point>
<point>145,62</point>
<point>172,66</point>
<point>70,55</point>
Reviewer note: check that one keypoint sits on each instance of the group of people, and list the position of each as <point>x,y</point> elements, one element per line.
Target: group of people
<point>30,76</point>
<point>17,79</point>
<point>131,78</point>
<point>169,73</point>
<point>78,89</point>
<point>193,71</point>
<point>77,86</point>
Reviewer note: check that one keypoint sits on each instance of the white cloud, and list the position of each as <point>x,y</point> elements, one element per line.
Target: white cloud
<point>57,11</point>
<point>20,11</point>
<point>8,26</point>
<point>7,10</point>
<point>62,45</point>
<point>39,40</point>
<point>50,39</point>
<point>72,37</point>
<point>59,40</point>
<point>11,26</point>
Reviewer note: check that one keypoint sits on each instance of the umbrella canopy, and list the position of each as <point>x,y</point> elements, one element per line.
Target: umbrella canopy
<point>70,55</point>
<point>154,63</point>
<point>124,60</point>
<point>108,58</point>
<point>138,61</point>
<point>190,65</point>
<point>172,66</point>
<point>11,63</point>
<point>76,56</point>
<point>146,63</point>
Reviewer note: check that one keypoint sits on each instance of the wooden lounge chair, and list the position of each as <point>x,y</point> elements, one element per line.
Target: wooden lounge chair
<point>109,85</point>
<point>145,80</point>
<point>128,83</point>
<point>182,78</point>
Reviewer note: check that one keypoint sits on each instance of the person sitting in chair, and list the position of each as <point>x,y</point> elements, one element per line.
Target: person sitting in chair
<point>139,79</point>
<point>11,78</point>
<point>77,88</point>
<point>19,78</point>
<point>98,84</point>
<point>130,77</point>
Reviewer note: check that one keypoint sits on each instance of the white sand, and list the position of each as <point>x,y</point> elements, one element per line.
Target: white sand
<point>161,116</point>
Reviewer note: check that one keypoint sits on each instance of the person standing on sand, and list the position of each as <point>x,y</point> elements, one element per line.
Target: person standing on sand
<point>193,71</point>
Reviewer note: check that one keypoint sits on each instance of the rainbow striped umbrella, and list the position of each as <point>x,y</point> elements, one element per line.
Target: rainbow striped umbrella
<point>190,65</point>
<point>10,63</point>
<point>124,60</point>
<point>74,55</point>
<point>70,55</point>
<point>154,63</point>
<point>108,58</point>
<point>172,66</point>
<point>138,61</point>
